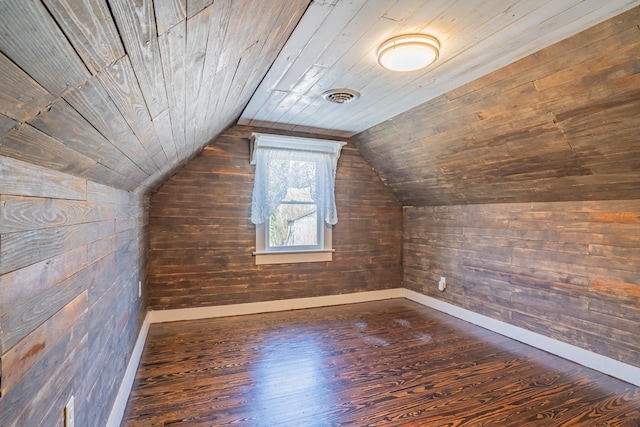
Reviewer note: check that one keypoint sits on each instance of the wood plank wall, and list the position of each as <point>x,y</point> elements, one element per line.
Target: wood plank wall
<point>201,238</point>
<point>72,253</point>
<point>567,270</point>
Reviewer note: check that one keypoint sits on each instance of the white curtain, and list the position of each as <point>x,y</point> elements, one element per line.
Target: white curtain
<point>281,167</point>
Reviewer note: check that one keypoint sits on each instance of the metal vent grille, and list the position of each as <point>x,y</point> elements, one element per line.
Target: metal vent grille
<point>341,96</point>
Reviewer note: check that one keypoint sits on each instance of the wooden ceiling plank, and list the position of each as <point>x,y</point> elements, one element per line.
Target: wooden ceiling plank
<point>121,84</point>
<point>137,26</point>
<point>197,37</point>
<point>213,70</point>
<point>295,65</point>
<point>308,25</point>
<point>90,28</point>
<point>172,50</point>
<point>110,177</point>
<point>163,126</point>
<point>6,124</point>
<point>28,144</point>
<point>254,61</point>
<point>63,123</point>
<point>94,104</point>
<point>21,97</point>
<point>169,13</point>
<point>31,38</point>
<point>196,6</point>
<point>338,18</point>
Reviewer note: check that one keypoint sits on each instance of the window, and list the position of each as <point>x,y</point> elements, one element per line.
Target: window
<point>293,203</point>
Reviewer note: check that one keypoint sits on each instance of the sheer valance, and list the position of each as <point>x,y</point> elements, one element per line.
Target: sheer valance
<point>289,167</point>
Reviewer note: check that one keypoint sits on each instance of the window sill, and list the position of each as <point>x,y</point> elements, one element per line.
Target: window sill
<point>292,257</point>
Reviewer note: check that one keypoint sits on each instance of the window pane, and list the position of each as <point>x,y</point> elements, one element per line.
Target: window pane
<point>294,225</point>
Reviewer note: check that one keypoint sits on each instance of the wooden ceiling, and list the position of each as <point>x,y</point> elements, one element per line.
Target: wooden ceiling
<point>125,92</point>
<point>335,46</point>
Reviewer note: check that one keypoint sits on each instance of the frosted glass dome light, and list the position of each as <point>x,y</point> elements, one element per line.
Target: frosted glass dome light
<point>408,52</point>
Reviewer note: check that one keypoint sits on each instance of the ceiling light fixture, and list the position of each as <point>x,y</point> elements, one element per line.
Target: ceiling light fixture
<point>408,52</point>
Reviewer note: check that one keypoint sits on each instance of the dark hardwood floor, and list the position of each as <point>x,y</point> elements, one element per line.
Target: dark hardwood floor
<point>386,363</point>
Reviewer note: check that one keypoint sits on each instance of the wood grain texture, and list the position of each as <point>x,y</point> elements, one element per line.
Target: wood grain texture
<point>387,363</point>
<point>93,102</point>
<point>21,98</point>
<point>24,179</point>
<point>201,238</point>
<point>559,125</point>
<point>564,270</point>
<point>6,124</point>
<point>65,124</point>
<point>169,13</point>
<point>137,26</point>
<point>120,82</point>
<point>69,312</point>
<point>33,41</point>
<point>90,28</point>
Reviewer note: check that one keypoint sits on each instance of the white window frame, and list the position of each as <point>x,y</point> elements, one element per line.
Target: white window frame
<point>263,254</point>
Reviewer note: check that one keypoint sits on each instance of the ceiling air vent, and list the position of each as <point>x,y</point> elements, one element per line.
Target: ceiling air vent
<point>341,96</point>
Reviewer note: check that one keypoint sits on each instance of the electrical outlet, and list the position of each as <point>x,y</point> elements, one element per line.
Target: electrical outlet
<point>442,284</point>
<point>69,413</point>
<point>139,288</point>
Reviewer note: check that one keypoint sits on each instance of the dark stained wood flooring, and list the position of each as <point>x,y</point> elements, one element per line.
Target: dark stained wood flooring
<point>385,363</point>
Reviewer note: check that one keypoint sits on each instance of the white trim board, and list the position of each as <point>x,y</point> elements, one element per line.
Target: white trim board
<point>270,306</point>
<point>120,404</point>
<point>606,365</point>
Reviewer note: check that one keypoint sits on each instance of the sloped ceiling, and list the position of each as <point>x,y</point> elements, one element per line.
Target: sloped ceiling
<point>562,124</point>
<point>124,92</point>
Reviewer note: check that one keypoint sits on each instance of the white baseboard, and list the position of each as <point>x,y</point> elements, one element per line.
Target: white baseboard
<point>117,411</point>
<point>606,365</point>
<point>270,306</point>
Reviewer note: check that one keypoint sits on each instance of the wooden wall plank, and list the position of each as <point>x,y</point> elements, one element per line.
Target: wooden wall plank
<point>20,178</point>
<point>23,319</point>
<point>31,213</point>
<point>137,26</point>
<point>551,268</point>
<point>41,277</point>
<point>21,98</point>
<point>17,361</point>
<point>90,28</point>
<point>26,403</point>
<point>24,248</point>
<point>32,40</point>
